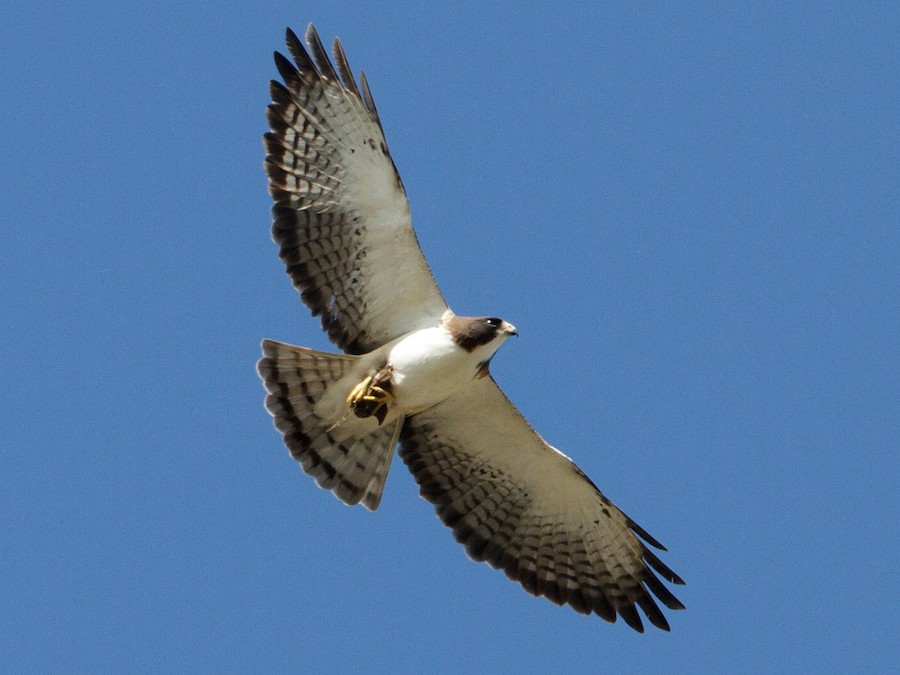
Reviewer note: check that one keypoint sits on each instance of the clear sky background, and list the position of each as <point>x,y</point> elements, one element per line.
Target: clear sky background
<point>691,214</point>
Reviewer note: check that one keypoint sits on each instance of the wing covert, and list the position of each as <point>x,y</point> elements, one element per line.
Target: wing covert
<point>341,216</point>
<point>522,506</point>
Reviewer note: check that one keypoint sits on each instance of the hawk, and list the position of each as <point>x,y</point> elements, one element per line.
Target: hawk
<point>414,373</point>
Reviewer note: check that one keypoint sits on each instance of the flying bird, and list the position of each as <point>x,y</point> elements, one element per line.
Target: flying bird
<point>415,374</point>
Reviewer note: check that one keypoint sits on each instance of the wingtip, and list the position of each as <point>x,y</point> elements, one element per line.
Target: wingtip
<point>286,69</point>
<point>311,33</point>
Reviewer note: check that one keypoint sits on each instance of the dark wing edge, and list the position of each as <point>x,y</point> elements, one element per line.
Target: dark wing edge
<point>494,496</point>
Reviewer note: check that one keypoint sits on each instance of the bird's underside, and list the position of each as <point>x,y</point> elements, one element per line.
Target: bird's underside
<point>415,374</point>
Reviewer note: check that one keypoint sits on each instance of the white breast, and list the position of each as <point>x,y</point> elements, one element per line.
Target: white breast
<point>428,367</point>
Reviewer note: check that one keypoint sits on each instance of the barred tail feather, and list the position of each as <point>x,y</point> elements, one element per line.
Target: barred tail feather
<point>354,467</point>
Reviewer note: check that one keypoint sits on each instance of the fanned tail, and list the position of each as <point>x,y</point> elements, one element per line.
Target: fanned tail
<point>352,465</point>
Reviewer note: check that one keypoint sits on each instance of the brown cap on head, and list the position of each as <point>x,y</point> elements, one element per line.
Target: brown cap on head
<point>473,332</point>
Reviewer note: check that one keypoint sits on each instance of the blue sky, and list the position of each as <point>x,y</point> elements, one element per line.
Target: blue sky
<point>690,213</point>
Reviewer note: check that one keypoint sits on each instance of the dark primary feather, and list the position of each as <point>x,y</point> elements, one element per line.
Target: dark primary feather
<point>323,63</point>
<point>344,67</point>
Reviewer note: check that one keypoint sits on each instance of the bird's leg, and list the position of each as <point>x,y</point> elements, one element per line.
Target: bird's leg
<point>359,390</point>
<point>371,396</point>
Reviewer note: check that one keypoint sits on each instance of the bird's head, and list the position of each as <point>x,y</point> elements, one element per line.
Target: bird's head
<point>479,332</point>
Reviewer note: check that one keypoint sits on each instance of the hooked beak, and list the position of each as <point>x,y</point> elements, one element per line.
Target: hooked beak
<point>508,328</point>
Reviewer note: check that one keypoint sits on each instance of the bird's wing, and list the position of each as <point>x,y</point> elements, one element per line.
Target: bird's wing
<point>341,216</point>
<point>522,506</point>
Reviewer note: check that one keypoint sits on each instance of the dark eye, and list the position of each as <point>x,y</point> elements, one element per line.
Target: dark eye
<point>493,321</point>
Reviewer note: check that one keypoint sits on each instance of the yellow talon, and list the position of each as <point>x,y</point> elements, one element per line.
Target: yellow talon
<point>367,399</point>
<point>359,391</point>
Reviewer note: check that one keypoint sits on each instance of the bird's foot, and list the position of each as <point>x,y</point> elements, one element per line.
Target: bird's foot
<point>371,398</point>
